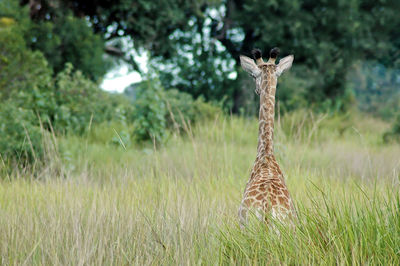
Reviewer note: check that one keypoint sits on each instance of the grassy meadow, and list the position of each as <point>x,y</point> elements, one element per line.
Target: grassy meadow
<point>96,203</point>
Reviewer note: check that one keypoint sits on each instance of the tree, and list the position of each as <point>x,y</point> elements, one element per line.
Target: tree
<point>21,69</point>
<point>68,39</point>
<point>200,67</point>
<point>149,23</point>
<point>325,36</point>
<point>60,36</point>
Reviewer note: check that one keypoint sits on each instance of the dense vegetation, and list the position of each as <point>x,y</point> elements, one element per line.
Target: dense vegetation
<point>199,42</point>
<point>54,53</point>
<point>40,98</point>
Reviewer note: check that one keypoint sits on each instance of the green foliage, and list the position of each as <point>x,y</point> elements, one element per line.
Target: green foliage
<point>67,39</point>
<point>115,107</point>
<point>324,36</point>
<point>68,104</point>
<point>31,98</point>
<point>11,13</point>
<point>144,20</point>
<point>150,111</point>
<point>22,72</point>
<point>21,137</point>
<point>183,111</point>
<point>196,69</point>
<point>157,110</point>
<point>292,89</point>
<point>324,46</point>
<point>62,39</point>
<point>77,103</point>
<point>199,42</point>
<point>21,68</point>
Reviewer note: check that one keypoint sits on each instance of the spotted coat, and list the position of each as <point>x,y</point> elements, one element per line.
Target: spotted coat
<point>266,192</point>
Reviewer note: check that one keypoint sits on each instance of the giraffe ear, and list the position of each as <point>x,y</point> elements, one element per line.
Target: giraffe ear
<point>249,66</point>
<point>284,64</point>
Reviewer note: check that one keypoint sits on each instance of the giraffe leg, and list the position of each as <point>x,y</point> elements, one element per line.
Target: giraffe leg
<point>242,216</point>
<point>260,214</point>
<point>257,212</point>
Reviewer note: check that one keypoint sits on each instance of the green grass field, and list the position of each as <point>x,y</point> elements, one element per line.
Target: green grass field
<point>103,204</point>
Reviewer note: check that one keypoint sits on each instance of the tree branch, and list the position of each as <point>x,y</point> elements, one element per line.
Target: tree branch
<point>116,52</point>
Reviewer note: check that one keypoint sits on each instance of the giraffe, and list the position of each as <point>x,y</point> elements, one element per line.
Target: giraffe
<point>266,192</point>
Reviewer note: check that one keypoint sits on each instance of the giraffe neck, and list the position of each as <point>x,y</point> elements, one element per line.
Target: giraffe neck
<point>266,117</point>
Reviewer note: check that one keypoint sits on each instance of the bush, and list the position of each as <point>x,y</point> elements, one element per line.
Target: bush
<point>150,111</point>
<point>157,110</point>
<point>184,111</point>
<point>68,104</point>
<point>21,68</point>
<point>21,138</point>
<point>78,102</point>
<point>23,72</point>
<point>31,97</point>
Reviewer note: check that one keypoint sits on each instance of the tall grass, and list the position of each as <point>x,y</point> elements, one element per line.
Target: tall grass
<point>102,204</point>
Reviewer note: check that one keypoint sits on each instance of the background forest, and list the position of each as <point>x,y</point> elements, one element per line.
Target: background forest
<point>54,54</point>
<point>93,177</point>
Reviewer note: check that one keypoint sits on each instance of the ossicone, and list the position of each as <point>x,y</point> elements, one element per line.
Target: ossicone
<point>274,52</point>
<point>256,53</point>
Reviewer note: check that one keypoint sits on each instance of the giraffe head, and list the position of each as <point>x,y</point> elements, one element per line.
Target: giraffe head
<point>265,72</point>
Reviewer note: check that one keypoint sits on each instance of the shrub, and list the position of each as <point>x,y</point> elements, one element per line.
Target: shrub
<point>205,110</point>
<point>21,138</point>
<point>31,97</point>
<point>23,73</point>
<point>156,110</point>
<point>21,68</point>
<point>115,107</point>
<point>69,104</point>
<point>78,102</point>
<point>183,110</point>
<point>150,111</point>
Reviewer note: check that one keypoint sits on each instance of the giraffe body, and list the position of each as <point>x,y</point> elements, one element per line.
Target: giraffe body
<point>266,193</point>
